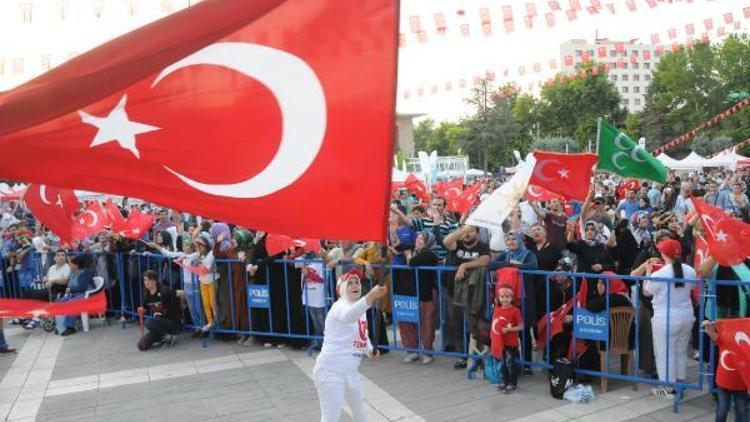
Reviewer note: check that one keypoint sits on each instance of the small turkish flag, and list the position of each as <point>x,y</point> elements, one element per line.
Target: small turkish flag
<point>237,110</point>
<point>701,251</point>
<point>30,308</point>
<point>468,198</point>
<point>195,269</point>
<point>118,222</point>
<point>53,207</point>
<point>86,223</point>
<point>726,236</point>
<point>568,175</point>
<point>417,187</point>
<point>105,218</point>
<point>137,224</point>
<point>630,184</point>
<point>497,340</point>
<point>733,368</point>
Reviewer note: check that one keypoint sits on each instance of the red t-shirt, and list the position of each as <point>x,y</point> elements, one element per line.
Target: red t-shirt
<point>512,316</point>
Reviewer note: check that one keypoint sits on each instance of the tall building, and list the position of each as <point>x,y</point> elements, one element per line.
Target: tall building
<point>630,64</point>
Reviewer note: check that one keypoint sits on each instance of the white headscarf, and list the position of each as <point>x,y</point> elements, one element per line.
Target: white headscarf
<point>343,282</point>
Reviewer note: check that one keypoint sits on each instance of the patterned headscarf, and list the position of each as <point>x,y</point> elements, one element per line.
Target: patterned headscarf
<point>429,239</point>
<point>639,233</point>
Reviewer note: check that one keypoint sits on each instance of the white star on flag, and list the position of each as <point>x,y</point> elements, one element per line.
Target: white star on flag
<point>118,127</point>
<point>721,236</point>
<point>563,173</point>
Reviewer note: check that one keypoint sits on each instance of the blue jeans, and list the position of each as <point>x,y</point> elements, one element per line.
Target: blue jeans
<point>194,304</point>
<point>3,343</point>
<point>317,323</point>
<point>724,404</point>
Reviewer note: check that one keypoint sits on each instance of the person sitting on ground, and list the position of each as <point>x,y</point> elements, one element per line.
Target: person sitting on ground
<point>161,306</point>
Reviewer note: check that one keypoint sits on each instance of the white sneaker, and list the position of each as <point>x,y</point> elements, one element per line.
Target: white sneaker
<point>207,328</point>
<point>411,357</point>
<point>663,391</point>
<point>427,359</point>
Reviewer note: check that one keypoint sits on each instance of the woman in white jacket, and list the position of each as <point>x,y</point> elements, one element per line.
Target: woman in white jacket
<point>673,315</point>
<point>345,343</point>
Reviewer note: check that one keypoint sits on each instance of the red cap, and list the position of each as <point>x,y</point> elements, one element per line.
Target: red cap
<point>670,248</point>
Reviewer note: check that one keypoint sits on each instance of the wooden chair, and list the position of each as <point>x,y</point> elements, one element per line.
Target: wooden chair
<point>620,321</point>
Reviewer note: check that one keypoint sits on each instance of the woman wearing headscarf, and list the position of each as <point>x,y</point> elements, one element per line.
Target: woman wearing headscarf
<point>424,285</point>
<point>673,315</point>
<point>345,344</point>
<point>547,257</point>
<point>516,255</point>
<point>593,254</point>
<point>633,235</point>
<point>612,293</point>
<point>232,307</point>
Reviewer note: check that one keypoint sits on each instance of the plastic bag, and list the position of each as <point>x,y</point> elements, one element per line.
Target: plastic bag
<point>579,394</point>
<point>493,370</point>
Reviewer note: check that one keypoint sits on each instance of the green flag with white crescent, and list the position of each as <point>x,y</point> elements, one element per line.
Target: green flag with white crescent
<point>620,155</point>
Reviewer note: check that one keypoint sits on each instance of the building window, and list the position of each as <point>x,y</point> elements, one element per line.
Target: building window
<point>591,53</point>
<point>624,90</point>
<point>613,65</point>
<point>624,77</point>
<point>636,90</point>
<point>626,101</point>
<point>614,78</point>
<point>637,101</point>
<point>612,53</point>
<point>634,53</point>
<point>578,53</point>
<point>647,77</point>
<point>636,77</point>
<point>647,65</point>
<point>624,65</point>
<point>635,66</point>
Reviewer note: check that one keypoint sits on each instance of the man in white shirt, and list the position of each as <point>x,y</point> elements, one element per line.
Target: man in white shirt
<point>55,283</point>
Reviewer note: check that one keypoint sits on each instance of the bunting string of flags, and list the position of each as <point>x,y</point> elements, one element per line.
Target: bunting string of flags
<point>688,136</point>
<point>737,146</point>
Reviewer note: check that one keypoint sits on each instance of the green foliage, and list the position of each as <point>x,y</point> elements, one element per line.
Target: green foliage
<point>704,145</point>
<point>691,86</point>
<point>444,138</point>
<point>556,144</point>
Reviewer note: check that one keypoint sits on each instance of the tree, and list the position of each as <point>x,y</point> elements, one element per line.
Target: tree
<point>571,106</point>
<point>704,145</point>
<point>422,133</point>
<point>556,144</point>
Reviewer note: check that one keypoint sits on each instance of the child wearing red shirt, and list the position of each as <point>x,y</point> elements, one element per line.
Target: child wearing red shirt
<point>506,323</point>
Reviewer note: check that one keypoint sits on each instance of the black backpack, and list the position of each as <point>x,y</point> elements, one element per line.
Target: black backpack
<point>561,378</point>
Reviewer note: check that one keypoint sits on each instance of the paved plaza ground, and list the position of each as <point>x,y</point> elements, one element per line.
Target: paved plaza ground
<point>101,376</point>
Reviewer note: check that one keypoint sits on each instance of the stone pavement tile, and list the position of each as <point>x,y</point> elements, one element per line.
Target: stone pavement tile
<point>24,409</point>
<point>577,410</point>
<point>71,402</point>
<point>494,410</point>
<point>550,415</point>
<point>73,415</point>
<point>612,414</point>
<point>120,378</point>
<point>688,411</point>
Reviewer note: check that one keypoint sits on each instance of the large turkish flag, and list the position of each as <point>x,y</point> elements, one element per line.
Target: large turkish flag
<point>53,207</point>
<point>272,114</point>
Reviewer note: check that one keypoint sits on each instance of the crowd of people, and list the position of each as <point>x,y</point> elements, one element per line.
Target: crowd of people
<point>642,229</point>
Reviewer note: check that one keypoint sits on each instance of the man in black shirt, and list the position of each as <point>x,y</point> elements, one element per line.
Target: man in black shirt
<point>162,308</point>
<point>467,290</point>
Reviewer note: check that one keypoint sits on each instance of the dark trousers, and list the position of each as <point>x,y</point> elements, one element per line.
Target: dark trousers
<point>510,365</point>
<point>724,404</point>
<point>156,329</point>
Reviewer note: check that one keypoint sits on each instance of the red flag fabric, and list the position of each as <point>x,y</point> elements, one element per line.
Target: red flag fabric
<point>701,251</point>
<point>568,175</point>
<point>195,269</point>
<point>417,187</point>
<point>86,223</point>
<point>228,109</point>
<point>630,184</point>
<point>733,368</point>
<point>104,217</point>
<point>118,222</point>
<point>278,243</point>
<point>137,224</point>
<point>726,236</point>
<point>536,193</point>
<point>30,308</point>
<point>556,323</point>
<point>468,198</point>
<point>53,207</point>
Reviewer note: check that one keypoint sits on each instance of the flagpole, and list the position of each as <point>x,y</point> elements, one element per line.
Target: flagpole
<point>598,132</point>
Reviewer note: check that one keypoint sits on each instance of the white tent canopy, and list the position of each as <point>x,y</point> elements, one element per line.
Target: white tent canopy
<point>728,159</point>
<point>474,172</point>
<point>668,161</point>
<point>691,162</point>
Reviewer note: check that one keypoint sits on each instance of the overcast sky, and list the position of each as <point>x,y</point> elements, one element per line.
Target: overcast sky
<point>443,58</point>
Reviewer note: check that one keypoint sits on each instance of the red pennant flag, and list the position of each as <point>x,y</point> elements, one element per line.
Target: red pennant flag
<point>672,33</point>
<point>575,5</point>
<point>620,63</point>
<point>646,55</point>
<point>440,24</point>
<point>568,60</point>
<point>709,24</point>
<point>28,308</point>
<point>619,47</point>
<point>690,29</point>
<point>733,368</point>
<point>654,38</point>
<point>554,5</point>
<point>128,116</point>
<point>726,236</point>
<point>549,18</point>
<point>568,175</point>
<point>53,207</point>
<point>552,64</point>
<point>651,3</point>
<point>601,52</point>
<point>728,18</point>
<point>631,5</point>
<point>611,7</point>
<point>571,15</point>
<point>633,58</point>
